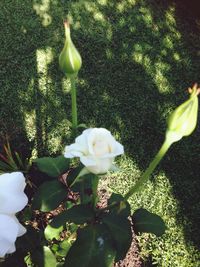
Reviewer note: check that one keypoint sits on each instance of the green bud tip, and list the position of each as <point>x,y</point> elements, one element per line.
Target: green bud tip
<point>67,29</point>
<point>183,119</point>
<point>194,91</point>
<point>69,60</point>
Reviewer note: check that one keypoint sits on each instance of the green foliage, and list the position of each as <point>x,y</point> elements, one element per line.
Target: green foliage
<point>122,209</point>
<point>44,257</point>
<point>86,186</point>
<point>145,221</point>
<point>93,247</point>
<point>31,240</point>
<point>51,232</point>
<point>78,214</point>
<point>120,230</point>
<point>74,173</point>
<point>62,248</point>
<point>49,195</point>
<point>11,161</point>
<point>53,166</point>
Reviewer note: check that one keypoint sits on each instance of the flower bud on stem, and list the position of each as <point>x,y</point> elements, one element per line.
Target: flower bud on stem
<point>70,63</point>
<point>69,60</point>
<point>181,122</point>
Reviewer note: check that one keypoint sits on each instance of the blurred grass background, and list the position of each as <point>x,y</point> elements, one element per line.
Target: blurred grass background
<point>139,57</point>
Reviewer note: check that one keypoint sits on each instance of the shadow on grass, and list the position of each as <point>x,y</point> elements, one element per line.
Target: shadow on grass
<point>32,100</point>
<point>136,62</point>
<point>183,164</point>
<point>150,63</point>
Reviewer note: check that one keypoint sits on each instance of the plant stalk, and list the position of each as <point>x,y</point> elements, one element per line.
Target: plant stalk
<point>164,148</point>
<point>74,105</point>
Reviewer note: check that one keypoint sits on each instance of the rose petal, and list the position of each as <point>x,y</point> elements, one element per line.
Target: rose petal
<point>12,197</point>
<point>73,150</point>
<point>12,203</point>
<point>88,161</point>
<point>119,149</point>
<point>101,136</point>
<point>77,149</point>
<point>101,167</point>
<point>15,181</point>
<point>9,231</point>
<point>82,140</point>
<point>21,228</point>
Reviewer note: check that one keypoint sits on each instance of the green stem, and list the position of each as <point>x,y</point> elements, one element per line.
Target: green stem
<point>74,105</point>
<point>95,182</point>
<point>149,170</point>
<point>82,192</point>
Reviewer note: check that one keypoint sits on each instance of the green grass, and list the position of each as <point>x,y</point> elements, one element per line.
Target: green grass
<point>138,59</point>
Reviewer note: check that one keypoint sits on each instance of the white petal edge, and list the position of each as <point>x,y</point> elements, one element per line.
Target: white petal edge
<point>8,233</point>
<point>12,196</point>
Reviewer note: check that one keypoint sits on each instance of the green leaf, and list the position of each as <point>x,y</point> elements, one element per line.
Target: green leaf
<point>74,174</point>
<point>53,166</point>
<point>93,248</point>
<point>28,261</point>
<point>49,196</point>
<point>122,209</point>
<point>52,232</point>
<point>30,240</point>
<point>72,227</point>
<point>26,215</point>
<point>4,167</point>
<point>44,257</point>
<point>78,214</point>
<point>63,248</point>
<point>55,248</point>
<point>15,259</point>
<point>120,230</point>
<point>68,204</point>
<point>145,221</point>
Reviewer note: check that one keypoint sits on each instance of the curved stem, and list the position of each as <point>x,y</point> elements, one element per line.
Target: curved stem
<point>149,170</point>
<point>74,105</point>
<point>164,148</point>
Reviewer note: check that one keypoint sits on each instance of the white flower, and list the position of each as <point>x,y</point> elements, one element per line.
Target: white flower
<point>96,148</point>
<point>12,200</point>
<point>12,196</point>
<point>10,229</point>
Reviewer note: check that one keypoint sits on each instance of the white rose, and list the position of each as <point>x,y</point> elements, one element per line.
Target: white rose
<point>96,148</point>
<point>12,196</point>
<point>10,229</point>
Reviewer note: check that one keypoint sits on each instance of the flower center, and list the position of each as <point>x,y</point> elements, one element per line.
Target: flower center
<point>101,148</point>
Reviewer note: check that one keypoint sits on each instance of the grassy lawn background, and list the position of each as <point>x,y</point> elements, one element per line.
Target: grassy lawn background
<point>138,59</point>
